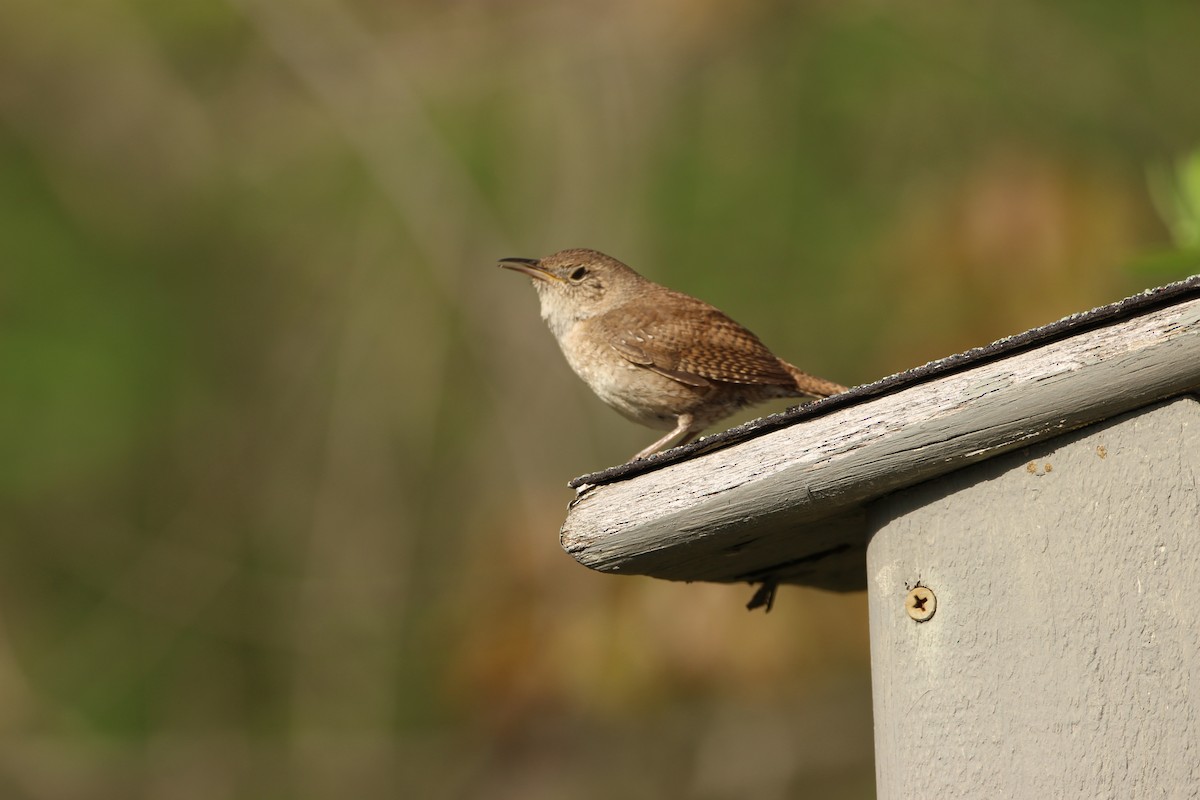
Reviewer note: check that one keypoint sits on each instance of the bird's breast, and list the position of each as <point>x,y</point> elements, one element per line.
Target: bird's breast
<point>634,391</point>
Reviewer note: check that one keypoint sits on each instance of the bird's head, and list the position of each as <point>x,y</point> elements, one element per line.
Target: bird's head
<point>574,285</point>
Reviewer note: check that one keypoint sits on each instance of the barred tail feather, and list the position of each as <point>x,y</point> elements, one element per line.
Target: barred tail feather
<point>810,385</point>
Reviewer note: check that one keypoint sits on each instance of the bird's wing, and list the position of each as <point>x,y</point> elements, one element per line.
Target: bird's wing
<point>636,348</point>
<point>695,345</point>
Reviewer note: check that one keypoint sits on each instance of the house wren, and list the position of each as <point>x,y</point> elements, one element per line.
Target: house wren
<point>659,357</point>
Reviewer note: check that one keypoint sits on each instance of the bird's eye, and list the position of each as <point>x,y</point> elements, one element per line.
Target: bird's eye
<point>579,274</point>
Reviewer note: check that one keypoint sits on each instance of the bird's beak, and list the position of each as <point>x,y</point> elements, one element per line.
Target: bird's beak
<point>531,267</point>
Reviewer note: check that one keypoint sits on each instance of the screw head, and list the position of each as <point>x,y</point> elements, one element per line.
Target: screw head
<point>920,603</point>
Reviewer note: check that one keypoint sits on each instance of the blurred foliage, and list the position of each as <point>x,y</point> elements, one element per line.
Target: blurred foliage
<point>1176,194</point>
<point>284,454</point>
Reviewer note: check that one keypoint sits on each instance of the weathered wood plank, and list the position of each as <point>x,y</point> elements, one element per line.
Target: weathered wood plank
<point>790,502</point>
<point>1061,659</point>
<point>1103,316</point>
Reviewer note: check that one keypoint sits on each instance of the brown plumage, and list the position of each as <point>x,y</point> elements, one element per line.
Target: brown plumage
<point>659,357</point>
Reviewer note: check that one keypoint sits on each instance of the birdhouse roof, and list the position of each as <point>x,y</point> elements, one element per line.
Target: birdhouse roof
<point>784,498</point>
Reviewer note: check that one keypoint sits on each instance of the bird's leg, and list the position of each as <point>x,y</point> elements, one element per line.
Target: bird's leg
<point>683,427</point>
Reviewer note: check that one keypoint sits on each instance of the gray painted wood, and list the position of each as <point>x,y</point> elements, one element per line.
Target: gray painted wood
<point>1063,659</point>
<point>791,503</point>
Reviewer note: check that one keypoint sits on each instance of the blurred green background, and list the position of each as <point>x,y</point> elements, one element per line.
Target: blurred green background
<point>284,455</point>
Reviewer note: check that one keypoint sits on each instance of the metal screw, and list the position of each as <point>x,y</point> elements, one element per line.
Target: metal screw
<point>920,603</point>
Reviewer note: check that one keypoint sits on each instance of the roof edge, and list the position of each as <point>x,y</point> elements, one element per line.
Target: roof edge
<point>1071,325</point>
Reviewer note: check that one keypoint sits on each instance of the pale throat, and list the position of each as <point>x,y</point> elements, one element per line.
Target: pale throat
<point>559,312</point>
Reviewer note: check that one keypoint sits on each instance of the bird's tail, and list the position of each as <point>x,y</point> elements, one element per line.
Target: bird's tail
<point>810,385</point>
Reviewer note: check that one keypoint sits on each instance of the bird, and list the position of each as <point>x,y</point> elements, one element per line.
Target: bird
<point>658,357</point>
